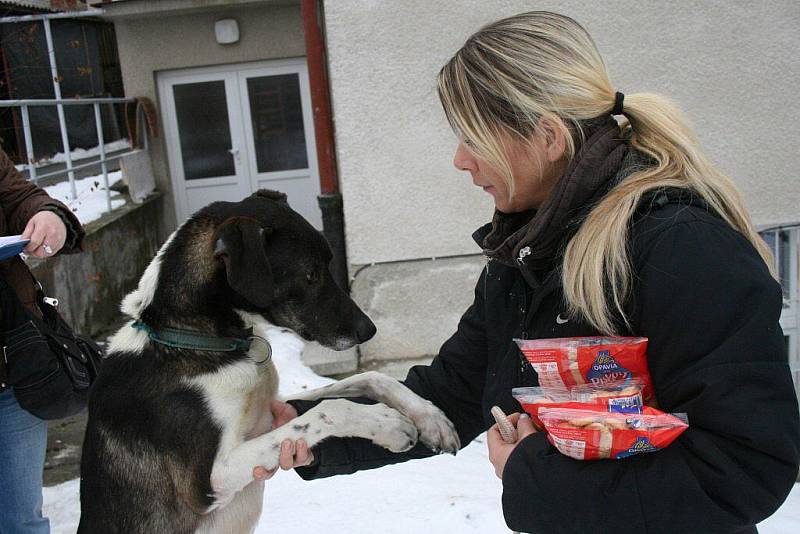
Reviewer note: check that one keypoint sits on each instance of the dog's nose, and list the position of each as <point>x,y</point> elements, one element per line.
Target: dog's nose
<point>365,329</point>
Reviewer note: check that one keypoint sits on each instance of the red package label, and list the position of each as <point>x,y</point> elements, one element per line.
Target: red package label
<point>563,363</point>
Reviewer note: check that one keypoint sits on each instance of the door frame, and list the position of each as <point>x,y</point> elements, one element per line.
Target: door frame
<point>234,75</point>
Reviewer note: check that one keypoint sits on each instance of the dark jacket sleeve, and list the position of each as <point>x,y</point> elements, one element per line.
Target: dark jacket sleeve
<point>20,200</point>
<point>710,309</point>
<point>453,381</point>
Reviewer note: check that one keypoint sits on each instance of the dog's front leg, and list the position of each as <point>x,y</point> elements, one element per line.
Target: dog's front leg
<point>331,418</point>
<point>436,431</point>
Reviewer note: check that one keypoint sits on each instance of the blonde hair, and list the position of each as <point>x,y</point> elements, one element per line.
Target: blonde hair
<point>516,71</point>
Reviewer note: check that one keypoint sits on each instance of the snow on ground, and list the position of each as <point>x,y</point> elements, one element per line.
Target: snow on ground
<point>90,203</point>
<point>441,495</point>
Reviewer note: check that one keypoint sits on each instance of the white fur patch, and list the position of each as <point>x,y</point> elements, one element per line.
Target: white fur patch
<point>238,396</point>
<point>128,339</point>
<point>240,516</point>
<point>225,392</point>
<point>141,297</point>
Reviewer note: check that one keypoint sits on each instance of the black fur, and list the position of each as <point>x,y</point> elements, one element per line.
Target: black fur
<point>150,441</point>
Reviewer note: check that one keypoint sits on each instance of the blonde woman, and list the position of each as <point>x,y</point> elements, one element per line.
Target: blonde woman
<point>609,220</point>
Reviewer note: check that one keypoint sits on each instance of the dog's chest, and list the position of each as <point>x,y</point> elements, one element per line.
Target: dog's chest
<point>238,397</point>
<point>256,414</point>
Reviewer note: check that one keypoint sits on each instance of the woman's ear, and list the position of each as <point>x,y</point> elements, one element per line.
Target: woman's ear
<point>553,133</point>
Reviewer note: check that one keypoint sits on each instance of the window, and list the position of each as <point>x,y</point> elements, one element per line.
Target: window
<point>784,245</point>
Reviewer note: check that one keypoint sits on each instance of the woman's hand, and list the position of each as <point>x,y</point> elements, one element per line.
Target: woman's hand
<point>499,450</point>
<point>47,233</point>
<point>293,454</point>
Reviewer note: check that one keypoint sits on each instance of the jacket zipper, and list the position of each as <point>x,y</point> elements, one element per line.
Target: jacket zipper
<point>538,292</point>
<point>524,310</point>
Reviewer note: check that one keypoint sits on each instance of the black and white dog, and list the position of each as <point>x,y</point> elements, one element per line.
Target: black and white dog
<point>179,415</point>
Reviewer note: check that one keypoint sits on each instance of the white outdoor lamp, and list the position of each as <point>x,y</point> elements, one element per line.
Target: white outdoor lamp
<point>227,31</point>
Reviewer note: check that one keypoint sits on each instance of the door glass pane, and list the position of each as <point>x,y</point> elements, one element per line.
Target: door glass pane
<point>203,129</point>
<point>277,115</point>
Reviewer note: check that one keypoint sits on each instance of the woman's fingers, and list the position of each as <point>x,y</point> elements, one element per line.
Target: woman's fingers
<point>282,413</point>
<point>26,233</point>
<point>35,235</point>
<point>47,234</point>
<point>293,454</point>
<point>287,455</point>
<point>37,238</point>
<point>304,455</point>
<point>525,426</point>
<point>261,473</point>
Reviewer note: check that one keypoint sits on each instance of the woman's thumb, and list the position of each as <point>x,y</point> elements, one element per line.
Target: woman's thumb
<point>525,426</point>
<point>28,231</point>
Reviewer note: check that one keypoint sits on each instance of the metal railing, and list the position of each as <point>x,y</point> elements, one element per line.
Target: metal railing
<point>59,103</point>
<point>70,166</point>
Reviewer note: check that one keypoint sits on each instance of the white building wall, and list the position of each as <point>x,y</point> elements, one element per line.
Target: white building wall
<point>731,65</point>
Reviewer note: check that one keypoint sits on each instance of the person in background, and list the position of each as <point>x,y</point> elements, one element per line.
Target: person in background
<point>52,229</point>
<point>609,220</point>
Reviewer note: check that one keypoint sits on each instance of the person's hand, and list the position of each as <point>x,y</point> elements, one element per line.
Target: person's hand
<point>293,454</point>
<point>47,233</point>
<point>499,450</point>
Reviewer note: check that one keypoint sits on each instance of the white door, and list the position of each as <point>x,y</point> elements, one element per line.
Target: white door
<point>234,129</point>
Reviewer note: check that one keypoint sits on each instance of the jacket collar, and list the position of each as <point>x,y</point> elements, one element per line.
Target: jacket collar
<point>534,238</point>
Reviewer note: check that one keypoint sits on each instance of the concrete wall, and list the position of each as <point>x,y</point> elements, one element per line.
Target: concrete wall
<point>91,285</point>
<point>416,305</point>
<point>731,66</point>
<point>154,37</point>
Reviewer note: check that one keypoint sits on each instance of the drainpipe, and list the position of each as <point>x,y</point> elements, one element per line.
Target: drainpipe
<point>330,199</point>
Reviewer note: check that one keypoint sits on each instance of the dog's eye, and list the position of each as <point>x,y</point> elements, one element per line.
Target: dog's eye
<point>311,277</point>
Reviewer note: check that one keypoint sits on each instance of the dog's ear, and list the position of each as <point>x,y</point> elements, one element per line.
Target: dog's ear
<point>272,195</point>
<point>240,244</point>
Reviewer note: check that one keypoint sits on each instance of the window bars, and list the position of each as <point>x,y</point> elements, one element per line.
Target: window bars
<point>59,103</point>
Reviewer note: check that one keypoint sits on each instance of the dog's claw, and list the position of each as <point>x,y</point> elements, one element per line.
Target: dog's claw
<point>436,431</point>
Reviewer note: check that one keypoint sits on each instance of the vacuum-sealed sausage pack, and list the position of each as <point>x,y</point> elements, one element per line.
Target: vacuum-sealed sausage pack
<point>624,397</point>
<point>592,433</point>
<point>563,363</point>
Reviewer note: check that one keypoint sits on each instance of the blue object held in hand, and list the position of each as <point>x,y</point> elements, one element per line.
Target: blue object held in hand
<point>11,245</point>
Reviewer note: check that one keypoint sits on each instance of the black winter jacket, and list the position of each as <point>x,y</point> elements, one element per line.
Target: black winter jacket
<point>707,303</point>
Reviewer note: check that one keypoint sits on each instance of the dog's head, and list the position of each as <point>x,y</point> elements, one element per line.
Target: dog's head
<point>276,264</point>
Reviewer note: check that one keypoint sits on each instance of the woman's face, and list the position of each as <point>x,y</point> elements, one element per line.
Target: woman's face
<point>536,166</point>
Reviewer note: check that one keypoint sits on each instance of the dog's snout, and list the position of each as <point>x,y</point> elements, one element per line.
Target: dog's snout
<point>365,329</point>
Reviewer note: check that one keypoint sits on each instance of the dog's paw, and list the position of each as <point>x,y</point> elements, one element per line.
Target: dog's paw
<point>392,430</point>
<point>436,431</point>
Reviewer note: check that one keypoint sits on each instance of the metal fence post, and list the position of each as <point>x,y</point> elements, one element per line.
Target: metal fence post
<point>62,121</point>
<point>102,144</point>
<point>26,125</point>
